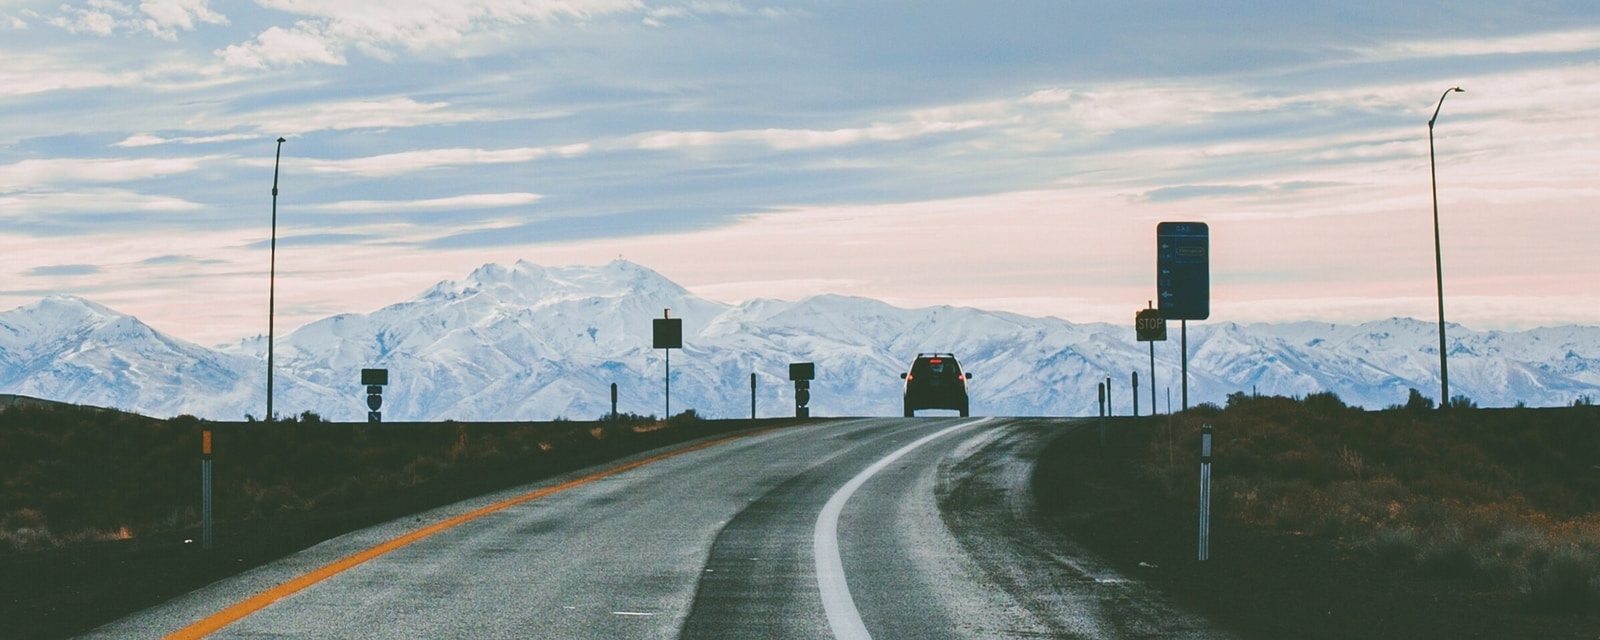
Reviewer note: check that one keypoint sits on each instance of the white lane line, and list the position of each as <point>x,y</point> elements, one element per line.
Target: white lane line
<point>836,602</point>
<point>630,613</point>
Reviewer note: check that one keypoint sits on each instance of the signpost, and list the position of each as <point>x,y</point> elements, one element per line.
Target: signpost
<point>668,334</point>
<point>1152,328</point>
<point>802,373</point>
<point>374,379</point>
<point>1183,280</point>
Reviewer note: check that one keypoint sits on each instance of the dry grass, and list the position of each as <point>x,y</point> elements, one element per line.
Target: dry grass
<point>1504,498</point>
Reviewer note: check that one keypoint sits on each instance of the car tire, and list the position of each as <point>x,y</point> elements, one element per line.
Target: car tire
<point>910,413</point>
<point>963,409</point>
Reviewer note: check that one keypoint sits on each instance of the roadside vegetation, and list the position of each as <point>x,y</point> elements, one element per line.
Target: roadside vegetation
<point>75,474</point>
<point>1505,499</point>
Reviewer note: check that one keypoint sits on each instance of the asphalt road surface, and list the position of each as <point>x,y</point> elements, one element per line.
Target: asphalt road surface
<point>886,528</point>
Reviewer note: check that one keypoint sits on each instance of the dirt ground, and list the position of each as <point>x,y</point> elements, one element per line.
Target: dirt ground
<point>1262,584</point>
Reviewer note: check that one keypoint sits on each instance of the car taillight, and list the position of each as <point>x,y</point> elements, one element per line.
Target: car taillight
<point>909,377</point>
<point>935,361</point>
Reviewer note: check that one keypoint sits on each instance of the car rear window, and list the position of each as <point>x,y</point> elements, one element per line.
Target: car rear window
<point>935,366</point>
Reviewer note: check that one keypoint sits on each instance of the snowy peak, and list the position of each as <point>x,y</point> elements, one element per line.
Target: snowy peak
<point>527,284</point>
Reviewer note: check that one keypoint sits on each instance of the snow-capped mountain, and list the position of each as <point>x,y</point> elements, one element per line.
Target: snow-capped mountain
<point>531,342</point>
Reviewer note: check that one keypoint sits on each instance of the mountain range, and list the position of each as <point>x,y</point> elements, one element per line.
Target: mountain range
<point>526,342</point>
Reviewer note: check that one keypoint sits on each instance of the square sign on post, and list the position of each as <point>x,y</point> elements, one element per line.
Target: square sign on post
<point>1183,270</point>
<point>802,371</point>
<point>668,333</point>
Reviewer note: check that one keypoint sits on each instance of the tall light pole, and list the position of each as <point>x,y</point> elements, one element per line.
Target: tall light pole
<point>1438,262</point>
<point>272,275</point>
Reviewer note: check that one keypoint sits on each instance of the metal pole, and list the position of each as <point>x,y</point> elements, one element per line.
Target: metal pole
<point>272,275</point>
<point>205,490</point>
<point>1102,419</point>
<point>1438,260</point>
<point>1183,346</point>
<point>1152,378</point>
<point>1205,493</point>
<point>1135,393</point>
<point>1109,409</point>
<point>613,401</point>
<point>752,396</point>
<point>669,384</point>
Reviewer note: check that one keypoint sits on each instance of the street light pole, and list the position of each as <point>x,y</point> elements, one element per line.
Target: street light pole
<point>1438,261</point>
<point>272,275</point>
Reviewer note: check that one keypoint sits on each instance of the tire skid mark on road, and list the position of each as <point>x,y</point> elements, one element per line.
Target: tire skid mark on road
<point>238,611</point>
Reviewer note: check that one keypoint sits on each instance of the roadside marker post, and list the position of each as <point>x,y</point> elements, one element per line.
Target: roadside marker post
<point>1205,493</point>
<point>752,396</point>
<point>614,401</point>
<point>1109,408</point>
<point>205,490</point>
<point>1136,394</point>
<point>1102,414</point>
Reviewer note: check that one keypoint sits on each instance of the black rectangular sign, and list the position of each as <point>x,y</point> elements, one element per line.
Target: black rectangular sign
<point>1183,270</point>
<point>371,377</point>
<point>802,371</point>
<point>668,333</point>
<point>1150,326</point>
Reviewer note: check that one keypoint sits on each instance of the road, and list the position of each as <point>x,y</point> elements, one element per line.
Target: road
<point>886,528</point>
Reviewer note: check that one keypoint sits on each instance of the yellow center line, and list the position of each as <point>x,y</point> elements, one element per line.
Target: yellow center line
<point>239,610</point>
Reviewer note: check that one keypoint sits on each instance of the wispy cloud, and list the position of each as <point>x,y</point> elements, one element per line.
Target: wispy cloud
<point>1568,41</point>
<point>147,140</point>
<point>33,174</point>
<point>411,161</point>
<point>452,203</point>
<point>29,204</point>
<point>160,18</point>
<point>790,139</point>
<point>339,115</point>
<point>380,27</point>
<point>61,270</point>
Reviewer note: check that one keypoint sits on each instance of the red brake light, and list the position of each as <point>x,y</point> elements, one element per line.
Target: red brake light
<point>935,361</point>
<point>909,377</point>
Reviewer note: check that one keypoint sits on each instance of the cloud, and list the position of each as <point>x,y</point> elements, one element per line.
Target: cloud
<point>383,113</point>
<point>1568,41</point>
<point>304,43</point>
<point>160,18</point>
<point>30,73</point>
<point>63,270</point>
<point>34,203</point>
<point>412,161</point>
<point>146,140</point>
<point>472,201</point>
<point>379,27</point>
<point>176,259</point>
<point>792,139</point>
<point>32,174</point>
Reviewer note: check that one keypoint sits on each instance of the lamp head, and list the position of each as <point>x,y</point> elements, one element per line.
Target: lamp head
<point>1459,90</point>
<point>281,140</point>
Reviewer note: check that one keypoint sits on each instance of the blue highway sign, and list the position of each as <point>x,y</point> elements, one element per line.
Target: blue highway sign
<point>1183,270</point>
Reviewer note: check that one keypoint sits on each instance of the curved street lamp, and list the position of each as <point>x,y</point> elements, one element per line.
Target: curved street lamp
<point>272,275</point>
<point>1438,262</point>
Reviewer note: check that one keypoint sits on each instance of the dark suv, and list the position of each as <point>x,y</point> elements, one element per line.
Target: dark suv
<point>936,382</point>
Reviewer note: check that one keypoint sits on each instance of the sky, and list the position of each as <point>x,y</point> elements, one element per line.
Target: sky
<point>1013,156</point>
